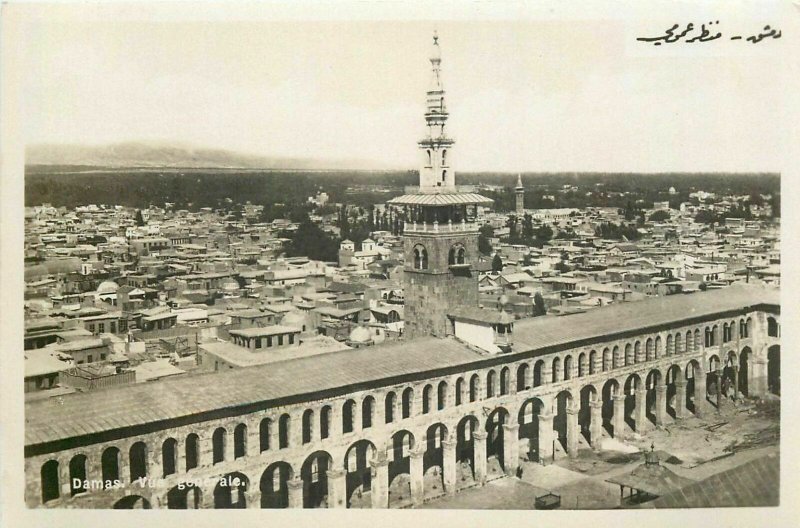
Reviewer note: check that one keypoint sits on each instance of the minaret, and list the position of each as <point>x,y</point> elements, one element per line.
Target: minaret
<point>436,173</point>
<point>440,235</point>
<point>519,191</point>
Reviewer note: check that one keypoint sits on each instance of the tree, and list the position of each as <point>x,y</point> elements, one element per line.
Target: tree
<point>539,307</point>
<point>497,263</point>
<point>485,233</point>
<point>139,218</point>
<point>312,242</point>
<point>659,216</point>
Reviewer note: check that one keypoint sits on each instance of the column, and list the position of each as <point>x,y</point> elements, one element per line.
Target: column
<point>63,479</point>
<point>618,420</point>
<point>545,448</point>
<point>229,443</point>
<point>680,399</point>
<point>449,465</point>
<point>417,474</point>
<point>661,404</point>
<point>479,456</point>
<point>735,382</point>
<point>253,444</point>
<point>757,384</point>
<point>547,374</point>
<point>596,424</point>
<point>335,423</point>
<point>511,448</point>
<point>295,492</point>
<point>640,410</point>
<point>718,372</point>
<point>295,429</point>
<point>700,391</point>
<point>124,464</point>
<point>380,481</point>
<point>252,497</point>
<point>572,430</point>
<point>337,488</point>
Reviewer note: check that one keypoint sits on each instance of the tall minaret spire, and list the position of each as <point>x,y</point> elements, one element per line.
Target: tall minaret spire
<point>435,175</point>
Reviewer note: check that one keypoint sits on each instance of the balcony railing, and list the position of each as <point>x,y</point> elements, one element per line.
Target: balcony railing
<point>436,227</point>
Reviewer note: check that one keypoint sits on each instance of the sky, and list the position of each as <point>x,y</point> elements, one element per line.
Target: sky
<point>524,95</point>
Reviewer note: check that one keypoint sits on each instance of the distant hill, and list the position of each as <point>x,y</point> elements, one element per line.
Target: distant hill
<point>154,154</point>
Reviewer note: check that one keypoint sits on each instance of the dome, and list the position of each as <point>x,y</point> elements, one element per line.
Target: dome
<point>360,334</point>
<point>107,287</point>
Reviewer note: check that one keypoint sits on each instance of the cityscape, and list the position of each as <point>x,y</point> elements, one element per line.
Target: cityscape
<point>221,335</point>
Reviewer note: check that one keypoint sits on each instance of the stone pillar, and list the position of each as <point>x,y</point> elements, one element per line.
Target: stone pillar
<point>757,384</point>
<point>229,443</point>
<point>511,448</point>
<point>379,416</point>
<point>335,423</point>
<point>680,399</point>
<point>337,488</point>
<point>735,382</point>
<point>547,374</point>
<point>253,444</point>
<point>63,479</point>
<point>295,492</point>
<point>719,389</point>
<point>252,498</point>
<point>155,469</point>
<point>380,481</point>
<point>479,456</point>
<point>618,420</point>
<point>296,429</point>
<point>449,465</point>
<point>596,424</point>
<point>640,409</point>
<point>545,437</point>
<point>572,430</point>
<point>417,474</point>
<point>700,390</point>
<point>661,404</point>
<point>124,464</point>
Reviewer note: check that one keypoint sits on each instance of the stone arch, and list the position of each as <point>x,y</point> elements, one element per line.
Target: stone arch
<point>109,465</point>
<point>588,396</point>
<point>556,370</point>
<point>632,389</point>
<point>563,403</point>
<point>538,373</point>
<point>523,377</point>
<point>617,358</point>
<point>441,395</point>
<point>460,391</point>
<point>264,434</point>
<point>528,419</point>
<point>465,444</point>
<point>325,419</point>
<point>698,340</point>
<point>192,451</point>
<point>77,474</point>
<point>567,367</point>
<point>137,460</point>
<point>50,484</point>
<point>653,380</point>
<point>658,348</point>
<point>630,357</point>
<point>367,412</point>
<point>745,371</point>
<point>132,502</point>
<point>284,424</point>
<point>390,403</point>
<point>358,472</point>
<point>314,474</point>
<point>407,402</point>
<point>505,381</point>
<point>678,346</point>
<point>274,485</point>
<point>670,345</point>
<point>348,416</point>
<point>218,442</point>
<point>674,376</point>
<point>474,388</point>
<point>583,364</point>
<point>649,348</point>
<point>608,359</point>
<point>308,426</point>
<point>457,254</point>
<point>169,456</point>
<point>638,356</point>
<point>491,383</point>
<point>427,399</point>
<point>230,491</point>
<point>610,390</point>
<point>695,385</point>
<point>593,361</point>
<point>433,458</point>
<point>188,498</point>
<point>496,435</point>
<point>420,257</point>
<point>402,443</point>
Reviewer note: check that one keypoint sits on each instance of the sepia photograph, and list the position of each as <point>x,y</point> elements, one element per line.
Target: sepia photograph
<point>457,256</point>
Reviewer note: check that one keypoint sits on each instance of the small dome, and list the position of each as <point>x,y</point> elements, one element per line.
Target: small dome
<point>360,334</point>
<point>108,287</point>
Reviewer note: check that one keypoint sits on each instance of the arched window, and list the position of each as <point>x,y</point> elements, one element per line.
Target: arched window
<point>50,485</point>
<point>240,441</point>
<point>218,441</point>
<point>264,432</point>
<point>169,456</point>
<point>284,423</point>
<point>420,257</point>
<point>430,160</point>
<point>408,402</point>
<point>444,158</point>
<point>427,398</point>
<point>505,381</point>
<point>348,416</point>
<point>567,368</point>
<point>367,410</point>
<point>77,474</point>
<point>490,382</point>
<point>474,388</point>
<point>441,395</point>
<point>389,407</point>
<point>138,460</point>
<point>308,425</point>
<point>459,396</point>
<point>325,415</point>
<point>109,466</point>
<point>192,451</point>
<point>444,175</point>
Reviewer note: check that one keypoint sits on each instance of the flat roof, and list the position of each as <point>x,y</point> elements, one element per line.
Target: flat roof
<point>83,418</point>
<point>260,331</point>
